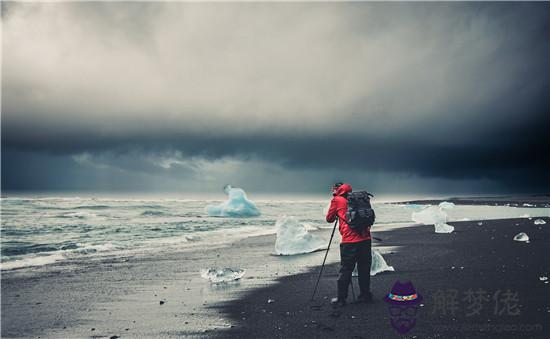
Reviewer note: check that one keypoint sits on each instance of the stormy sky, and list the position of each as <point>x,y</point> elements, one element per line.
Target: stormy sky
<point>408,98</point>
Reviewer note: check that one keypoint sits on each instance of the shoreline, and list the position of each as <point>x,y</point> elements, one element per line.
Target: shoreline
<point>80,254</point>
<point>533,201</point>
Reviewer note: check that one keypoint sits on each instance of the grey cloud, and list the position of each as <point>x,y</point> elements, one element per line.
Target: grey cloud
<point>435,90</point>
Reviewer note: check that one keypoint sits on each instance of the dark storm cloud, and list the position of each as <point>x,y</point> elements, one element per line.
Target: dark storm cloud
<point>448,90</point>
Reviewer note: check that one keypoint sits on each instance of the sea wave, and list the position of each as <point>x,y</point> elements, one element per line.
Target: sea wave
<point>43,231</point>
<point>56,255</point>
<point>152,213</point>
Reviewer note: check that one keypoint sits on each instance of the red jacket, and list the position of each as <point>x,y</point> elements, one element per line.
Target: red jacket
<point>338,208</point>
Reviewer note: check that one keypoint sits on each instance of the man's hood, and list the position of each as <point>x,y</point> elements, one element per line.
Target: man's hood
<point>344,189</point>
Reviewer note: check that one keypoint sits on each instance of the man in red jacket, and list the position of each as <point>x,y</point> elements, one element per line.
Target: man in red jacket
<point>355,248</point>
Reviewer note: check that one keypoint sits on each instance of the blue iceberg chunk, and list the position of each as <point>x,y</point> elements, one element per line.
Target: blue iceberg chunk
<point>236,206</point>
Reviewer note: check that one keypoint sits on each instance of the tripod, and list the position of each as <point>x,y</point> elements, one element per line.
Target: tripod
<point>323,265</point>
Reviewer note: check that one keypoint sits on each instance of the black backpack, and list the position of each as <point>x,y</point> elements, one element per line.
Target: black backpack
<point>360,214</point>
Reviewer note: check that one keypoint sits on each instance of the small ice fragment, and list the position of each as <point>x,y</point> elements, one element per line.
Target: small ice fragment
<point>528,205</point>
<point>521,237</point>
<point>543,278</point>
<point>539,222</point>
<point>293,238</point>
<point>479,223</point>
<point>237,206</point>
<point>461,267</point>
<point>270,301</point>
<point>222,275</point>
<point>378,264</point>
<point>452,268</point>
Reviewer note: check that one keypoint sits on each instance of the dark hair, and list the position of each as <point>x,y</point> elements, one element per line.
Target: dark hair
<point>338,184</point>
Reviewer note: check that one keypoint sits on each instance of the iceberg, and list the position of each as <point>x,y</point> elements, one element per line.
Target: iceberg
<point>378,264</point>
<point>539,222</point>
<point>435,215</point>
<point>222,275</point>
<point>521,237</point>
<point>237,206</point>
<point>293,238</point>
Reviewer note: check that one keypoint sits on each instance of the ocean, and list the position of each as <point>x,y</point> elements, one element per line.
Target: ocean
<point>37,231</point>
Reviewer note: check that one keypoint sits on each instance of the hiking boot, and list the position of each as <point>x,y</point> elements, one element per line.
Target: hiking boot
<point>338,302</point>
<point>364,298</point>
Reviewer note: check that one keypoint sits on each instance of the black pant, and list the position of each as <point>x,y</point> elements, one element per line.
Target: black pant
<point>350,254</point>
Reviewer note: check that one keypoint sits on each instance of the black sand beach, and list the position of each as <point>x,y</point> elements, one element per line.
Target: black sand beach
<point>439,265</point>
<point>122,296</point>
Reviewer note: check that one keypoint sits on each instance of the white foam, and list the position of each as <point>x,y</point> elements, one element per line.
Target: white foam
<point>32,261</point>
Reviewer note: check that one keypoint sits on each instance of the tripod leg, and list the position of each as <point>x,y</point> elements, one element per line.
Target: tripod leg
<point>324,260</point>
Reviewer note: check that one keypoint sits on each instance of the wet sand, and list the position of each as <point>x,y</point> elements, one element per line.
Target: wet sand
<point>122,296</point>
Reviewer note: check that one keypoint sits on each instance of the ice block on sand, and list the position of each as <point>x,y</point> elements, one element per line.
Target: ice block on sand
<point>521,237</point>
<point>236,206</point>
<point>539,222</point>
<point>378,264</point>
<point>435,215</point>
<point>222,275</point>
<point>293,238</point>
